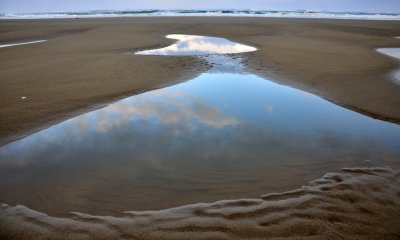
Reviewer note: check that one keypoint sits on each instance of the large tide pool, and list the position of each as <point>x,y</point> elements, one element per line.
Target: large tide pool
<point>225,134</point>
<point>218,136</point>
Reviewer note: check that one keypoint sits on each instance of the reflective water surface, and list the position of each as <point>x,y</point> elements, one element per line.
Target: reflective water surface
<point>22,43</point>
<point>218,136</point>
<point>198,45</point>
<point>395,53</point>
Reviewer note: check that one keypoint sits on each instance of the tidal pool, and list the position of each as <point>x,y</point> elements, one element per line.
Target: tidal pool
<point>394,53</point>
<point>218,136</point>
<point>198,45</point>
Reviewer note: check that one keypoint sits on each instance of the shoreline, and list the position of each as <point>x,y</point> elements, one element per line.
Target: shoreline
<point>201,16</point>
<point>310,14</point>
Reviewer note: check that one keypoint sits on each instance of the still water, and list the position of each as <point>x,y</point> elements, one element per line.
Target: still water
<point>221,135</point>
<point>22,43</point>
<point>198,45</point>
<point>394,53</point>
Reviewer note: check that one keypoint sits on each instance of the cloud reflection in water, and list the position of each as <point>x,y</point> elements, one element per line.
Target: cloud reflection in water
<point>217,136</point>
<point>198,45</point>
<point>214,104</point>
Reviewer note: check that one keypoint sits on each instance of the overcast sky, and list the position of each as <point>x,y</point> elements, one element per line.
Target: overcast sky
<point>15,6</point>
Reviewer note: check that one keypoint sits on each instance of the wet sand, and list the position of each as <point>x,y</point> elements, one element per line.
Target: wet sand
<point>83,65</point>
<point>362,203</point>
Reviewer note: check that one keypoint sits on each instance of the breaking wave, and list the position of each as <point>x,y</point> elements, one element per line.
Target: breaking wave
<point>189,12</point>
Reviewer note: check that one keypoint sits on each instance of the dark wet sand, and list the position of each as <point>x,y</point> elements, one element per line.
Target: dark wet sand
<point>83,66</point>
<point>361,203</point>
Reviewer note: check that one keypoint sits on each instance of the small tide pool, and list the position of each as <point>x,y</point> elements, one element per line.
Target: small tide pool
<point>394,53</point>
<point>20,43</point>
<point>198,45</point>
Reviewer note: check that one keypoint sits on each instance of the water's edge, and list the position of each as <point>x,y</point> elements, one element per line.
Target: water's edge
<point>204,13</point>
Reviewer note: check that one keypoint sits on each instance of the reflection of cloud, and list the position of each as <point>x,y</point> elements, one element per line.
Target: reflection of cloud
<point>192,45</point>
<point>270,108</point>
<point>306,94</point>
<point>182,37</point>
<point>393,52</point>
<point>81,123</point>
<point>170,107</point>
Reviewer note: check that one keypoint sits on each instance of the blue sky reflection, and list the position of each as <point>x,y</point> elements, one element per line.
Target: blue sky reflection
<point>214,137</point>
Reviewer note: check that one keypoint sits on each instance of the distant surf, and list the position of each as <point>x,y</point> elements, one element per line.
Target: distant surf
<point>188,12</point>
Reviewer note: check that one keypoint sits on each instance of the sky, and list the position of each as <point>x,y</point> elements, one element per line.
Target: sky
<point>23,6</point>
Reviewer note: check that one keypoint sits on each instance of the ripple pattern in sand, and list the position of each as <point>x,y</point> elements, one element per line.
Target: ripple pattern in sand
<point>361,203</point>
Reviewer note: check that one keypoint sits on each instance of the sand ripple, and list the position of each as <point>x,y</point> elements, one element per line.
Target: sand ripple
<point>361,203</point>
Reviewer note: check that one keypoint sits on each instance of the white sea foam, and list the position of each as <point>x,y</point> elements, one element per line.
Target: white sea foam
<point>245,13</point>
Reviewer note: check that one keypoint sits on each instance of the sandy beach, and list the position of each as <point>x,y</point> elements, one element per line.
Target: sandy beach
<point>359,203</point>
<point>87,64</point>
<point>84,66</point>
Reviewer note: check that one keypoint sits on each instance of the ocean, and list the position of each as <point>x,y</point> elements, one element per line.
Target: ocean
<point>215,12</point>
